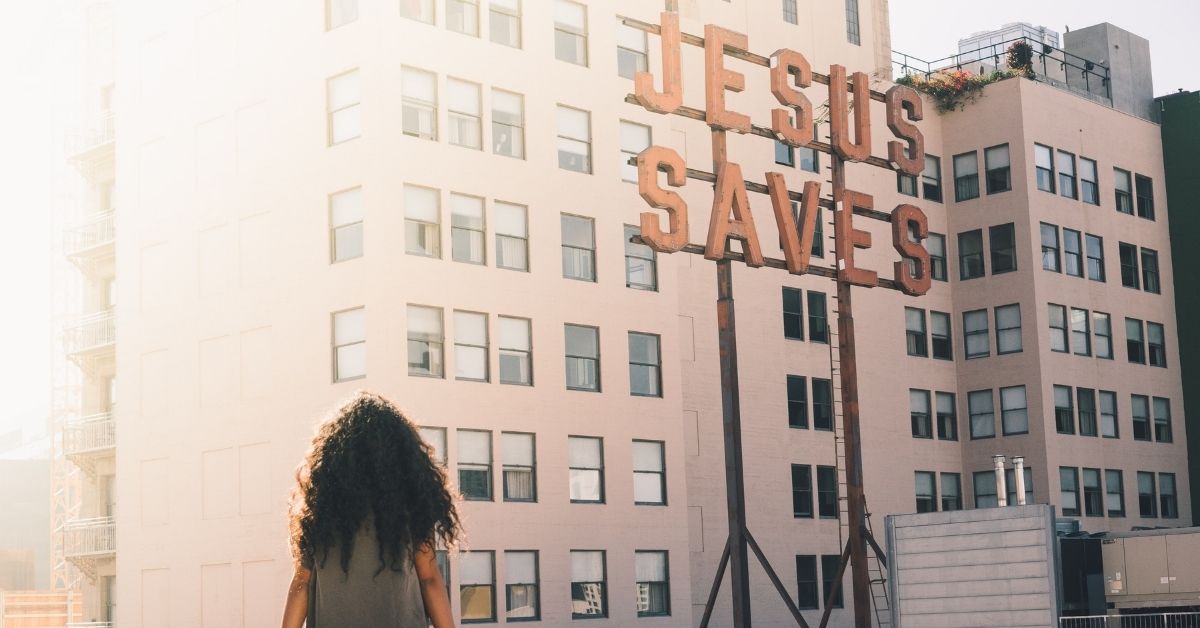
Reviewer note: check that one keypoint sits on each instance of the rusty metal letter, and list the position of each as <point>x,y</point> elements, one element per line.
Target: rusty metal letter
<point>717,79</point>
<point>901,99</point>
<point>671,96</point>
<point>849,238</point>
<point>648,162</point>
<point>729,197</point>
<point>796,242</point>
<point>916,283</point>
<point>784,64</point>
<point>839,115</point>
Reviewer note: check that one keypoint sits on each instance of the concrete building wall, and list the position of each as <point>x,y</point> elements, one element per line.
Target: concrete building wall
<point>25,519</point>
<point>1128,56</point>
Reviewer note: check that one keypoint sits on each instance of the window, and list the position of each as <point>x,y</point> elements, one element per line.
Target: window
<point>818,329</point>
<point>982,413</point>
<point>583,358</point>
<point>1102,334</point>
<point>1134,344</point>
<point>951,492</point>
<point>635,138</point>
<point>1147,495</point>
<point>1168,504</point>
<point>516,351</point>
<point>1140,410</point>
<point>508,124</point>
<point>1003,240</point>
<point>435,437</point>
<point>1066,175</point>
<point>822,394</point>
<point>1089,182</point>
<point>504,18</point>
<point>785,155</point>
<point>1014,414</point>
<point>349,344</point>
<point>442,558</point>
<point>985,489</point>
<point>649,473</point>
<point>1068,478</point>
<point>793,314</point>
<point>947,416</point>
<point>343,113</point>
<point>852,31</point>
<point>589,592</point>
<point>966,176</point>
<point>463,112</point>
<point>641,263</point>
<point>827,493</point>
<point>521,586</point>
<point>999,177</point>
<point>906,184</point>
<point>645,365</point>
<point>512,236</point>
<point>517,451</point>
<point>1072,253</point>
<point>1129,265</point>
<point>425,341</point>
<point>970,254</point>
<point>918,410</point>
<point>570,32</point>
<point>471,346</point>
<point>346,225</point>
<point>829,571</point>
<point>926,482</point>
<point>1145,196</point>
<point>1095,258</point>
<point>1080,334</point>
<point>789,12</point>
<point>1008,329</point>
<point>931,179</point>
<point>1050,258</point>
<point>422,221</point>
<point>914,321</point>
<point>477,586</point>
<point>1064,410</point>
<point>810,160</point>
<point>1058,328</point>
<point>418,110</point>
<point>1109,427</point>
<point>1123,187</point>
<point>467,231</point>
<point>475,464</point>
<point>797,401</point>
<point>975,334</point>
<point>943,346</point>
<point>936,245</point>
<point>653,584</point>
<point>1086,401</point>
<point>578,247</point>
<point>586,459</point>
<point>420,10</point>
<point>1150,271</point>
<point>818,243</point>
<point>574,138</point>
<point>1162,420</point>
<point>1043,157</point>
<point>1093,494</point>
<point>802,505</point>
<point>806,582</point>
<point>1114,493</point>
<point>632,49</point>
<point>339,13</point>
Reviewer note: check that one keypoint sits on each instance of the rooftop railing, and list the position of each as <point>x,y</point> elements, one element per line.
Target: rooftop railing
<point>90,235</point>
<point>85,538</point>
<point>1148,620</point>
<point>1048,64</point>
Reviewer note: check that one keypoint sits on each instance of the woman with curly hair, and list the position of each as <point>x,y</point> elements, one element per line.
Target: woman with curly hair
<point>369,506</point>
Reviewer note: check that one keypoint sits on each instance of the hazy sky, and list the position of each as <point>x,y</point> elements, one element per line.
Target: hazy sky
<point>930,29</point>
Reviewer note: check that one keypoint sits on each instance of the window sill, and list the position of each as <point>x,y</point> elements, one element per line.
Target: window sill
<point>426,375</point>
<point>591,390</point>
<point>1025,433</point>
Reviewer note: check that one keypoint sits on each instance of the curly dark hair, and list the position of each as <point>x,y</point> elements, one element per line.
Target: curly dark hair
<point>368,460</point>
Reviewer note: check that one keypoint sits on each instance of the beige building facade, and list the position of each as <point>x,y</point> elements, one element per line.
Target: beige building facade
<point>310,195</point>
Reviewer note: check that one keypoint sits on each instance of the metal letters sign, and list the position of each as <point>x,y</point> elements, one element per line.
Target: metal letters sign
<point>731,217</point>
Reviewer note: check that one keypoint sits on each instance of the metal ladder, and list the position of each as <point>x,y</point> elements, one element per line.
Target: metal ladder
<point>879,585</point>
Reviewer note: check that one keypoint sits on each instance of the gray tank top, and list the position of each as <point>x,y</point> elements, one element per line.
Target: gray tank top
<point>360,598</point>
